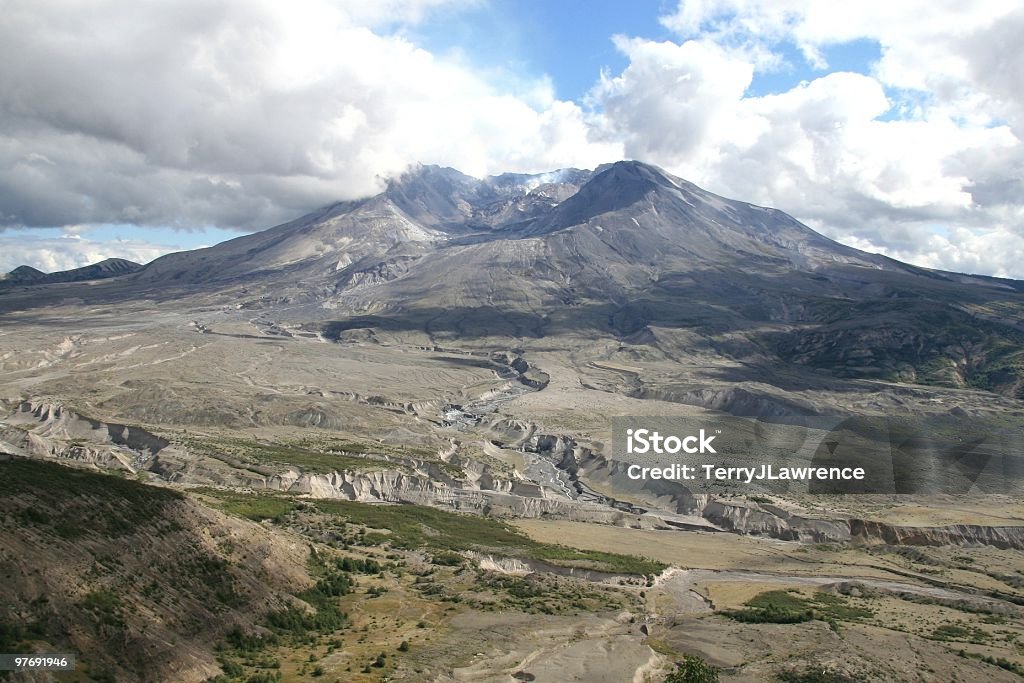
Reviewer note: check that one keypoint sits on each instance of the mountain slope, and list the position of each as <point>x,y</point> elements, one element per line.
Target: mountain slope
<point>627,254</point>
<point>139,581</point>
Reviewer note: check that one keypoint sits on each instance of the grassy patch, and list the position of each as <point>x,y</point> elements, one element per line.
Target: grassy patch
<point>254,506</point>
<point>346,446</point>
<point>693,669</point>
<point>995,661</point>
<point>540,594</point>
<point>597,560</point>
<point>971,634</point>
<point>784,607</point>
<point>813,674</point>
<point>309,458</point>
<point>416,526</point>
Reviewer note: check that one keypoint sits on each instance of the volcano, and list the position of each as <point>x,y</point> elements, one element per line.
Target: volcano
<point>626,254</point>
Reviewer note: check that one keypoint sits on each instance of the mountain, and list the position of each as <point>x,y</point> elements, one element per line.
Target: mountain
<point>111,267</point>
<point>626,253</point>
<point>351,242</point>
<point>24,275</point>
<point>633,213</point>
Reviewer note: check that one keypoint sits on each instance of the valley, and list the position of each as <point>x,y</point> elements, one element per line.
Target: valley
<point>376,444</point>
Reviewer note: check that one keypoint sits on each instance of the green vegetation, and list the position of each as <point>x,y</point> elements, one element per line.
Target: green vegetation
<point>783,607</point>
<point>417,526</point>
<point>693,669</point>
<point>355,565</point>
<point>210,574</point>
<point>535,593</point>
<point>108,523</point>
<point>297,622</point>
<point>447,559</point>
<point>931,344</point>
<point>254,506</point>
<point>12,635</point>
<point>813,674</point>
<point>971,634</point>
<point>247,643</point>
<point>106,607</point>
<point>291,624</point>
<point>331,586</point>
<point>327,616</point>
<point>306,457</point>
<point>995,661</point>
<point>597,560</point>
<point>349,447</point>
<point>239,676</point>
<point>72,503</point>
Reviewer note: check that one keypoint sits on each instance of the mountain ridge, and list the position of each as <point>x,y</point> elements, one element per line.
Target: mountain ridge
<point>444,204</point>
<point>627,254</point>
<point>107,268</point>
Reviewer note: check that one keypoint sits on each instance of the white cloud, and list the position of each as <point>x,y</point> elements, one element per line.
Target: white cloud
<point>995,252</point>
<point>921,40</point>
<point>64,253</point>
<point>671,99</point>
<point>244,113</point>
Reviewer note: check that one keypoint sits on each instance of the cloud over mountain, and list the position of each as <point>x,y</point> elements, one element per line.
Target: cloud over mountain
<point>241,113</point>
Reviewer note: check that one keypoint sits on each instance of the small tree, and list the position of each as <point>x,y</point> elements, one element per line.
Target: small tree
<point>693,669</point>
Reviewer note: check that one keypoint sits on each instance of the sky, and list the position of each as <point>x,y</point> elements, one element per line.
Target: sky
<point>132,129</point>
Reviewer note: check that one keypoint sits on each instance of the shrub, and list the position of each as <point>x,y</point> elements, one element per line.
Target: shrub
<point>813,674</point>
<point>693,669</point>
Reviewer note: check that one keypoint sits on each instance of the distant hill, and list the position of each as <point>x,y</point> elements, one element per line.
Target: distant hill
<point>111,267</point>
<point>24,275</point>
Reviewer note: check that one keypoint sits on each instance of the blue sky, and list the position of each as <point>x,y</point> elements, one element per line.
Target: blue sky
<point>569,41</point>
<point>877,128</point>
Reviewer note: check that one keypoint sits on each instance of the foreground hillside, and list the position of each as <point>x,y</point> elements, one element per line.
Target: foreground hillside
<point>145,583</point>
<point>140,581</point>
